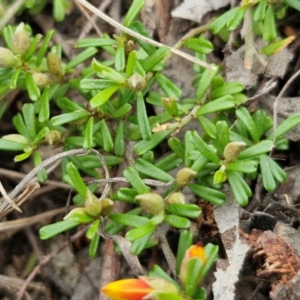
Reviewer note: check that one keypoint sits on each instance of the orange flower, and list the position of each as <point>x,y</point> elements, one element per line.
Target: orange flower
<point>145,287</point>
<point>127,289</point>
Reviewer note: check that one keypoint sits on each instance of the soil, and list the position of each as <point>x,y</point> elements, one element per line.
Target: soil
<point>60,268</point>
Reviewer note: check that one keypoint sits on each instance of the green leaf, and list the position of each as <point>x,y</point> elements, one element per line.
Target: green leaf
<point>81,57</point>
<point>177,222</point>
<point>194,268</point>
<point>260,11</point>
<point>132,176</point>
<point>157,271</point>
<point>211,252</point>
<point>51,230</point>
<point>277,46</point>
<point>285,126</point>
<point>221,21</point>
<point>152,171</point>
<point>169,88</point>
<point>140,244</point>
<point>95,42</point>
<point>293,3</point>
<point>185,241</point>
<point>200,45</point>
<point>108,144</point>
<point>143,119</point>
<point>42,175</point>
<point>277,171</point>
<point>204,149</point>
<point>139,27</point>
<point>126,194</point>
<point>189,147</point>
<point>70,117</point>
<point>177,147</point>
<point>93,229</point>
<point>131,61</point>
<point>262,122</point>
<point>266,173</point>
<point>144,146</point>
<point>44,112</point>
<point>29,119</point>
<point>208,126</point>
<point>238,17</point>
<point>129,219</point>
<point>269,33</point>
<point>10,145</point>
<point>88,134</point>
<point>227,89</point>
<point>204,82</point>
<point>42,53</point>
<point>243,114</point>
<point>102,97</point>
<point>217,105</point>
<point>122,111</point>
<point>140,231</point>
<point>79,215</point>
<point>222,134</point>
<point>240,188</point>
<point>119,140</point>
<point>260,148</point>
<point>192,211</point>
<point>77,180</point>
<point>120,58</point>
<point>108,73</point>
<point>14,79</point>
<point>244,166</point>
<point>94,245</point>
<point>32,89</point>
<point>67,105</point>
<point>133,12</point>
<point>155,58</point>
<point>169,162</point>
<point>214,196</point>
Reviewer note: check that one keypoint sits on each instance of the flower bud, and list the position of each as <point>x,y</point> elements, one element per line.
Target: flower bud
<point>54,63</point>
<point>194,252</point>
<point>151,203</point>
<point>176,198</point>
<point>7,58</point>
<point>53,137</point>
<point>233,149</point>
<point>21,41</point>
<point>184,176</point>
<point>107,206</point>
<point>136,82</point>
<point>92,204</point>
<point>130,45</point>
<point>40,79</point>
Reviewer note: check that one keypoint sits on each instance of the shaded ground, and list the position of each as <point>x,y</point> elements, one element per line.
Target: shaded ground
<point>71,274</point>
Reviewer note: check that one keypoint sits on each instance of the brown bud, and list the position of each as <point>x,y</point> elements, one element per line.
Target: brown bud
<point>7,59</point>
<point>21,41</point>
<point>233,149</point>
<point>184,176</point>
<point>176,198</point>
<point>40,79</point>
<point>54,63</point>
<point>136,82</point>
<point>151,203</point>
